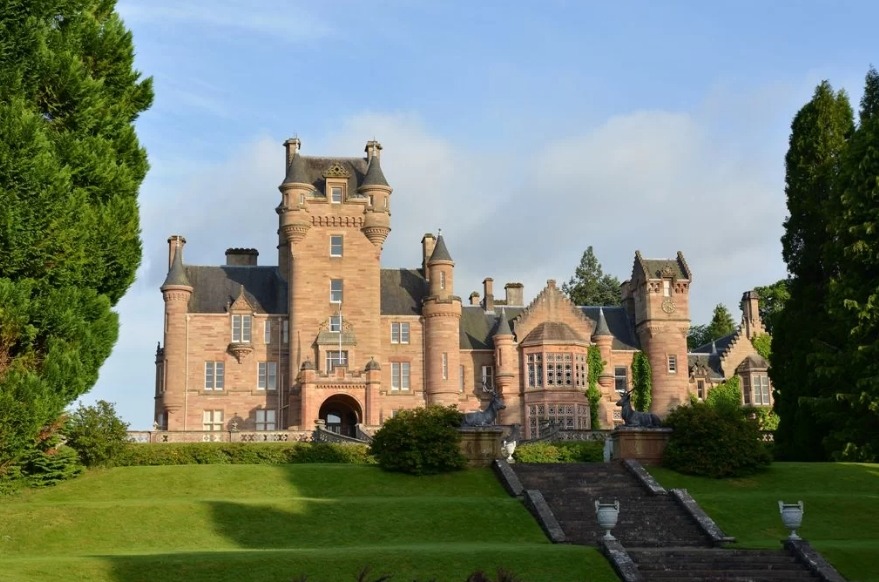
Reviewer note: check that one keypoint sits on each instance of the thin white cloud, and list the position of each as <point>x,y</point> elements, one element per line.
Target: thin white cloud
<point>284,21</point>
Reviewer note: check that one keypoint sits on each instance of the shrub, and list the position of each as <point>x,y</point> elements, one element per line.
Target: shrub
<point>726,396</point>
<point>96,433</point>
<point>135,454</point>
<point>421,441</point>
<point>560,452</point>
<point>714,442</point>
<point>50,463</point>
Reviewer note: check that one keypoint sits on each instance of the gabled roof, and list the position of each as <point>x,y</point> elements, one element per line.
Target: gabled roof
<point>402,291</point>
<point>719,345</point>
<point>216,288</point>
<point>707,365</point>
<point>676,268</point>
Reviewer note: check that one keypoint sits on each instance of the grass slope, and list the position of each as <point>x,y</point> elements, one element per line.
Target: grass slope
<point>841,502</point>
<point>267,523</point>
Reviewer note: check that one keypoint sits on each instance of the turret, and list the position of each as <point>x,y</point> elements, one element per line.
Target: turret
<point>377,219</point>
<point>442,319</point>
<point>751,322</point>
<point>294,219</point>
<point>602,338</point>
<point>176,292</point>
<point>506,364</point>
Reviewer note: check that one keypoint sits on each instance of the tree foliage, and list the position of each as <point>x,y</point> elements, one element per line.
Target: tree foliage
<point>726,396</point>
<point>642,382</point>
<point>593,393</point>
<point>70,169</point>
<point>721,325</point>
<point>772,300</point>
<point>420,441</point>
<point>96,433</point>
<point>589,285</point>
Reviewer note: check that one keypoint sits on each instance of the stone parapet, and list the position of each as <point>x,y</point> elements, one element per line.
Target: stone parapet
<point>481,445</point>
<point>642,444</point>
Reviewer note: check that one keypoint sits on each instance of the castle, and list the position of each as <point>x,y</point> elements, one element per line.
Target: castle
<point>330,334</point>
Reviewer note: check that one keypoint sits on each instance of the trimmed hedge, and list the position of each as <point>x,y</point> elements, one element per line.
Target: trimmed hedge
<point>420,441</point>
<point>135,454</point>
<point>560,452</point>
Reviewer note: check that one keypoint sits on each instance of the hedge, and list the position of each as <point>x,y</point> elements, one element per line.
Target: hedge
<point>137,454</point>
<point>560,452</point>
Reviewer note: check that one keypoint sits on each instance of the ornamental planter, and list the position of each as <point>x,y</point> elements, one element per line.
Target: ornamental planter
<point>791,517</point>
<point>607,514</point>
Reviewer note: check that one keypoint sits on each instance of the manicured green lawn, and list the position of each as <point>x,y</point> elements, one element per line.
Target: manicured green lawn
<point>257,522</point>
<point>841,518</point>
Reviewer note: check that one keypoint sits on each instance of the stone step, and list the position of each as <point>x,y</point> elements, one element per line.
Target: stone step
<point>717,564</point>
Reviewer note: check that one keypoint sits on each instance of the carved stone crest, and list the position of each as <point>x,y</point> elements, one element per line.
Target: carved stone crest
<point>336,170</point>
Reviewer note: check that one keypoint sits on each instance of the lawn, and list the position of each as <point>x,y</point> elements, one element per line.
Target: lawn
<point>278,523</point>
<point>841,518</point>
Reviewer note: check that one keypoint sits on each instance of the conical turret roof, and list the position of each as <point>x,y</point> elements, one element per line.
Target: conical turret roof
<point>503,327</point>
<point>440,252</point>
<point>177,274</point>
<point>601,329</point>
<point>297,172</point>
<point>374,175</point>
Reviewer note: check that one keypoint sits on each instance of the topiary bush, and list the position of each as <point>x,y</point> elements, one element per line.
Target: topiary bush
<point>96,433</point>
<point>421,441</point>
<point>714,442</point>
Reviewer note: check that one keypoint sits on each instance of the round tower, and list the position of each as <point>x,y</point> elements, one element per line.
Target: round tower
<point>176,291</point>
<point>377,214</point>
<point>294,219</point>
<point>506,363</point>
<point>442,321</point>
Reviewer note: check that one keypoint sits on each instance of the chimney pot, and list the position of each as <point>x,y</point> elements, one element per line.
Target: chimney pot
<point>242,257</point>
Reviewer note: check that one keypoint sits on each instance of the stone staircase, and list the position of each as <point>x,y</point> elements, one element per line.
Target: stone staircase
<point>660,535</point>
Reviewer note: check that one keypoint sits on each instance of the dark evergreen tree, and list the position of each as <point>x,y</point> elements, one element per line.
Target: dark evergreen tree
<point>722,323</point>
<point>853,370</point>
<point>70,170</point>
<point>698,336</point>
<point>642,382</point>
<point>590,286</point>
<point>819,134</point>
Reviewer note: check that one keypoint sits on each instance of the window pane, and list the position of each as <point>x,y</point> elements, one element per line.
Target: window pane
<point>219,369</point>
<point>336,290</point>
<point>268,332</point>
<point>395,333</point>
<point>335,323</point>
<point>336,194</point>
<point>404,372</point>
<point>236,328</point>
<point>261,376</point>
<point>208,375</point>
<point>404,333</point>
<point>245,328</point>
<point>272,376</point>
<point>336,246</point>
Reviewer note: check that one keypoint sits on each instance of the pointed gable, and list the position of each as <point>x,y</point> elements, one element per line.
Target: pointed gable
<point>553,306</point>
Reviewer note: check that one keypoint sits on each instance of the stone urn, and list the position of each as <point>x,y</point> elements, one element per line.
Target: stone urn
<point>791,517</point>
<point>607,514</point>
<point>508,448</point>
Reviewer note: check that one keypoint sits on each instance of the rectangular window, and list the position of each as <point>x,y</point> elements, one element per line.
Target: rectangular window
<point>666,288</point>
<point>621,378</point>
<point>335,323</point>
<point>265,420</point>
<point>336,245</point>
<point>399,333</point>
<point>535,370</point>
<point>672,364</point>
<point>445,365</point>
<point>212,420</point>
<point>268,332</point>
<point>241,325</point>
<point>268,376</point>
<point>285,330</point>
<point>336,194</point>
<point>746,389</point>
<point>487,376</point>
<point>214,375</point>
<point>700,389</point>
<point>442,279</point>
<point>336,291</point>
<point>399,376</point>
<point>761,389</point>
<point>461,376</point>
<point>336,358</point>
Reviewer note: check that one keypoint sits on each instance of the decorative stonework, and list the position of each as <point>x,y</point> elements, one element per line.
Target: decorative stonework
<point>351,221</point>
<point>240,351</point>
<point>336,171</point>
<point>295,232</point>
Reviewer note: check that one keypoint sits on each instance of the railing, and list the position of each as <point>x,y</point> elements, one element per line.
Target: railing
<point>322,435</point>
<point>218,436</point>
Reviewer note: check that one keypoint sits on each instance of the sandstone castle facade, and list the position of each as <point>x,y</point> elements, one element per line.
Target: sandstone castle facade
<point>330,334</point>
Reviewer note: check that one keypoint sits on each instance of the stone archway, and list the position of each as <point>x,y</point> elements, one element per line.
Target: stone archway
<point>341,413</point>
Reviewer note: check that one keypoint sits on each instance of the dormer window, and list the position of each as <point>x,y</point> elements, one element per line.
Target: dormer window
<point>336,194</point>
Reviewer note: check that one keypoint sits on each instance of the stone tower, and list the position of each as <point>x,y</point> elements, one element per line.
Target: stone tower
<point>441,311</point>
<point>334,217</point>
<point>660,293</point>
<point>176,291</point>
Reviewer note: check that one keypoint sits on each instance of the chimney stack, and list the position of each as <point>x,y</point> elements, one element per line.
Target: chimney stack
<point>242,257</point>
<point>428,242</point>
<point>515,294</point>
<point>474,298</point>
<point>373,150</point>
<point>488,288</point>
<point>292,146</point>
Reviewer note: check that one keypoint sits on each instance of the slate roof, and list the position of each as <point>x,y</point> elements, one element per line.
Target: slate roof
<point>721,344</point>
<point>214,288</point>
<point>601,328</point>
<point>478,327</point>
<point>708,362</point>
<point>402,291</point>
<point>552,331</point>
<point>177,273</point>
<point>653,268</point>
<point>617,324</point>
<point>440,252</point>
<point>309,170</point>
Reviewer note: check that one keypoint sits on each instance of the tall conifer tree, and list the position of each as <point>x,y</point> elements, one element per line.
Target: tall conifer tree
<point>818,140</point>
<point>70,170</point>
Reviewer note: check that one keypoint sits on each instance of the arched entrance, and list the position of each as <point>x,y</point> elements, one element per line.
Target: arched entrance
<point>341,413</point>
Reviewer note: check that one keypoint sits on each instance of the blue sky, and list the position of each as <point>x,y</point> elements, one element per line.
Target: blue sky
<point>526,131</point>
